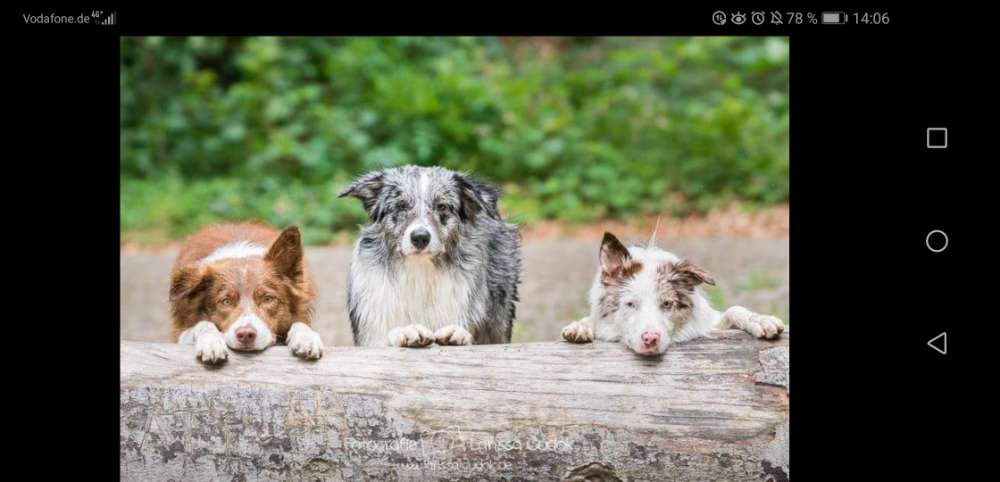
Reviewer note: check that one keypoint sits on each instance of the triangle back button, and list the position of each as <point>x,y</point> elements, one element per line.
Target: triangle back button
<point>939,343</point>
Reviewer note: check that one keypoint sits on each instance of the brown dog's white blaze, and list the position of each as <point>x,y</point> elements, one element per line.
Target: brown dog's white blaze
<point>246,280</point>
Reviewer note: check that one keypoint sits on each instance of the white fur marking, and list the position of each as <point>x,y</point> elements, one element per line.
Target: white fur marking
<point>416,293</point>
<point>425,185</point>
<point>239,249</point>
<point>434,247</point>
<point>264,337</point>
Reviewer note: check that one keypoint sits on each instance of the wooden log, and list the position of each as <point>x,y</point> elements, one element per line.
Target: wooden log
<point>710,409</point>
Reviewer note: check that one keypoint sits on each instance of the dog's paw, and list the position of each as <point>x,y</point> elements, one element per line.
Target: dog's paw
<point>577,332</point>
<point>764,326</point>
<point>412,336</point>
<point>211,349</point>
<point>452,335</point>
<point>306,343</point>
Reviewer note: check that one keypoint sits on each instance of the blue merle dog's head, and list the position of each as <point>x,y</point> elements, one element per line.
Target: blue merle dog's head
<point>420,211</point>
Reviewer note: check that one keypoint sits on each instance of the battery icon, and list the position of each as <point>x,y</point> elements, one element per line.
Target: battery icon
<point>835,18</point>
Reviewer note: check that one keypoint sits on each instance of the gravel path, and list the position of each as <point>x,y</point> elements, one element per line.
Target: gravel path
<point>556,277</point>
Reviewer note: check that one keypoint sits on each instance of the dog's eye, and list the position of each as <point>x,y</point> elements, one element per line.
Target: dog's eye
<point>402,206</point>
<point>268,298</point>
<point>666,305</point>
<point>227,301</point>
<point>442,207</point>
<point>630,304</point>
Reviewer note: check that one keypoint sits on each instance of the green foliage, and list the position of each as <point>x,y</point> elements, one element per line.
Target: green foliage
<point>761,280</point>
<point>576,129</point>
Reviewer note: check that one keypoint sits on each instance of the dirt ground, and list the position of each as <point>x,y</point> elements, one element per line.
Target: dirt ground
<point>557,274</point>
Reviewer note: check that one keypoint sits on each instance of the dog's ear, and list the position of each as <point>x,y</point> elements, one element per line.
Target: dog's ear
<point>285,254</point>
<point>366,188</point>
<point>616,262</point>
<point>476,197</point>
<point>687,275</point>
<point>189,281</point>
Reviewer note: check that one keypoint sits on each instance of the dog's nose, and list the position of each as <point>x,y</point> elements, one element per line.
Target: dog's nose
<point>420,238</point>
<point>650,339</point>
<point>246,335</point>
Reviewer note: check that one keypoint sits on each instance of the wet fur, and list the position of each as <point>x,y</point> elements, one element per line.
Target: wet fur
<point>468,280</point>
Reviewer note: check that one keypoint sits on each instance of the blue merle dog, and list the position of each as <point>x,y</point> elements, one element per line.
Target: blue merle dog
<point>434,263</point>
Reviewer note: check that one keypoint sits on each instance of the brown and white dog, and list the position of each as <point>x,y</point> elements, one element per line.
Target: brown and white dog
<point>648,298</point>
<point>243,286</point>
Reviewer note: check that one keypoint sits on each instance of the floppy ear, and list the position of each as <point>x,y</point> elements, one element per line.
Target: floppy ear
<point>476,197</point>
<point>366,188</point>
<point>614,257</point>
<point>188,282</point>
<point>688,275</point>
<point>285,254</point>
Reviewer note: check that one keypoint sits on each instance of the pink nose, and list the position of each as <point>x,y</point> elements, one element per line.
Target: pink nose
<point>246,335</point>
<point>650,339</point>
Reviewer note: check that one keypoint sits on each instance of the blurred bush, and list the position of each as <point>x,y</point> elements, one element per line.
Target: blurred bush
<point>572,128</point>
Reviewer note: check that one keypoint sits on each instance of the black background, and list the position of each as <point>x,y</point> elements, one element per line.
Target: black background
<point>871,400</point>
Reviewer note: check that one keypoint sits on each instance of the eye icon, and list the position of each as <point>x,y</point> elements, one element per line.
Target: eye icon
<point>739,18</point>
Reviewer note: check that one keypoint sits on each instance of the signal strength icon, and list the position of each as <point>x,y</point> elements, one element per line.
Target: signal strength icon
<point>110,20</point>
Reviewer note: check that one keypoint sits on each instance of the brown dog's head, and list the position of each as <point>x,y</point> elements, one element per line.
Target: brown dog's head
<point>251,298</point>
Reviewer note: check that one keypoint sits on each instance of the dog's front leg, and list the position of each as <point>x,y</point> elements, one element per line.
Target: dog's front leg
<point>210,348</point>
<point>304,342</point>
<point>756,324</point>
<point>586,331</point>
<point>452,335</point>
<point>412,336</point>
